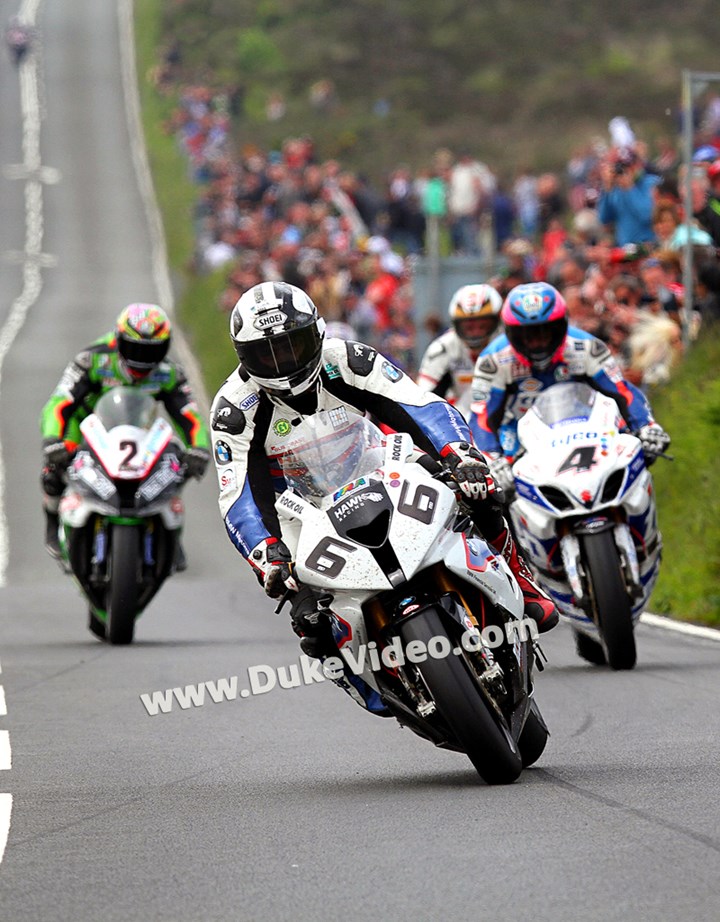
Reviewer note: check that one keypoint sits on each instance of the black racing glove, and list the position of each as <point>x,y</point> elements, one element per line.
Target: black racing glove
<point>196,461</point>
<point>56,459</point>
<point>272,562</point>
<point>311,622</point>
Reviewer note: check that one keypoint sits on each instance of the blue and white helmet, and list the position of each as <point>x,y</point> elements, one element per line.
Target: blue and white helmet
<point>278,336</point>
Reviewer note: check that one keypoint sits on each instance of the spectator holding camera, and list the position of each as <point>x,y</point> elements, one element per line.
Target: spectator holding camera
<point>626,200</point>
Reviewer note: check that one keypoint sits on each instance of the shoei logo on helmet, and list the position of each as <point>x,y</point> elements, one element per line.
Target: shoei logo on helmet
<point>274,319</point>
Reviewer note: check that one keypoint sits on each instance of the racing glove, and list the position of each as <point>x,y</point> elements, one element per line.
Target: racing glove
<point>311,622</point>
<point>195,461</point>
<point>655,441</point>
<point>470,470</point>
<point>272,563</point>
<point>56,459</point>
<point>502,472</point>
<point>55,453</point>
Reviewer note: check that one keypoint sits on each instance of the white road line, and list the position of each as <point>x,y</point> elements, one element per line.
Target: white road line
<point>5,814</point>
<point>3,706</point>
<point>32,279</point>
<point>669,624</point>
<point>5,751</point>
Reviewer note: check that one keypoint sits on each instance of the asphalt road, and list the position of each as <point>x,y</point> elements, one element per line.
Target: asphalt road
<point>293,805</point>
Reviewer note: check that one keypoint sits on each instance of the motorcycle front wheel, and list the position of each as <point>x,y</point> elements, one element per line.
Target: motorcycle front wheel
<point>123,585</point>
<point>462,704</point>
<point>610,598</point>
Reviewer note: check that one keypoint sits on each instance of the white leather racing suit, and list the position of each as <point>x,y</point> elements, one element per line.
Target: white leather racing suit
<point>250,430</point>
<point>506,386</point>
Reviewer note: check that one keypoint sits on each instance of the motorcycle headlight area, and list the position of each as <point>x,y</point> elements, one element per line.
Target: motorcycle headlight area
<point>95,481</point>
<point>157,483</point>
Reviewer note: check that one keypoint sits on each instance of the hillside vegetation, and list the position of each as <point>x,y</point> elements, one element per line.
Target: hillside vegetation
<point>516,81</point>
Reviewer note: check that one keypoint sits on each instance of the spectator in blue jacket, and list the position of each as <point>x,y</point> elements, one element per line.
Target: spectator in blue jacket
<point>626,201</point>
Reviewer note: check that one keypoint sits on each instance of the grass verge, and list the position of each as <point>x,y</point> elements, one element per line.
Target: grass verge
<point>688,489</point>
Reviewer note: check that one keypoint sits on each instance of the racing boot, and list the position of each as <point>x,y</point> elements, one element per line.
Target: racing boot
<point>52,541</point>
<point>180,563</point>
<point>538,605</point>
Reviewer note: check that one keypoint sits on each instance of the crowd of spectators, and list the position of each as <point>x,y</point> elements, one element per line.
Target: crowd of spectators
<point>609,232</point>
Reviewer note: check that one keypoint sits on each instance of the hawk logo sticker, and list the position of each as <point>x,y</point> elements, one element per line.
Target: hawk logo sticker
<point>223,454</point>
<point>228,418</point>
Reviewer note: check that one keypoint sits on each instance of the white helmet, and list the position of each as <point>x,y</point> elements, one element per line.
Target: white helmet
<point>471,303</point>
<point>278,337</point>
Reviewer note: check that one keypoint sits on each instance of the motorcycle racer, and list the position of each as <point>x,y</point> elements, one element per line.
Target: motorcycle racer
<point>134,354</point>
<point>539,349</point>
<point>447,366</point>
<point>287,371</point>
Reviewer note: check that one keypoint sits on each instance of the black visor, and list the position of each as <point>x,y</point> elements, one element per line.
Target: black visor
<point>537,342</point>
<point>142,355</point>
<point>281,356</point>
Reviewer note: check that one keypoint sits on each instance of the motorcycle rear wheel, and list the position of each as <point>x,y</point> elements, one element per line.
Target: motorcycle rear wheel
<point>122,591</point>
<point>484,735</point>
<point>612,603</point>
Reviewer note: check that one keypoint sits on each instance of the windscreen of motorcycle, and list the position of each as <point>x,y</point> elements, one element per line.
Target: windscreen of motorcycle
<point>330,449</point>
<point>126,406</point>
<point>569,402</point>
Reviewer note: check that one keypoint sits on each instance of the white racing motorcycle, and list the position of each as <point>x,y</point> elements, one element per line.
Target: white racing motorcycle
<point>584,514</point>
<point>120,514</point>
<point>426,618</point>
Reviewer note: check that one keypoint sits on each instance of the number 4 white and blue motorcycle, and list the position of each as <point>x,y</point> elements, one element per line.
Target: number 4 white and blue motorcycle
<point>584,513</point>
<point>428,621</point>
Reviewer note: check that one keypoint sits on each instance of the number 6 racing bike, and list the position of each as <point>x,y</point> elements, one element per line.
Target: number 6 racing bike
<point>427,619</point>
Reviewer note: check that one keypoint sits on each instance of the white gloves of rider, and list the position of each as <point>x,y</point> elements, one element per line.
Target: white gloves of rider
<point>272,563</point>
<point>655,441</point>
<point>502,472</point>
<point>470,470</point>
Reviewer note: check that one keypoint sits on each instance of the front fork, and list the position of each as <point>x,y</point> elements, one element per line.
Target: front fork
<point>575,572</point>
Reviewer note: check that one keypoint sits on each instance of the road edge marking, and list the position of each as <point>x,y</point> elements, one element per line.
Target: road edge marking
<point>669,624</point>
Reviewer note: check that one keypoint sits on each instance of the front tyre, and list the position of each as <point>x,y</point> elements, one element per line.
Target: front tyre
<point>534,736</point>
<point>123,583</point>
<point>611,599</point>
<point>460,701</point>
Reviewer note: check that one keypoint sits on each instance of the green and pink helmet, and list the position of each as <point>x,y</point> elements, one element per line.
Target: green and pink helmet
<point>143,337</point>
